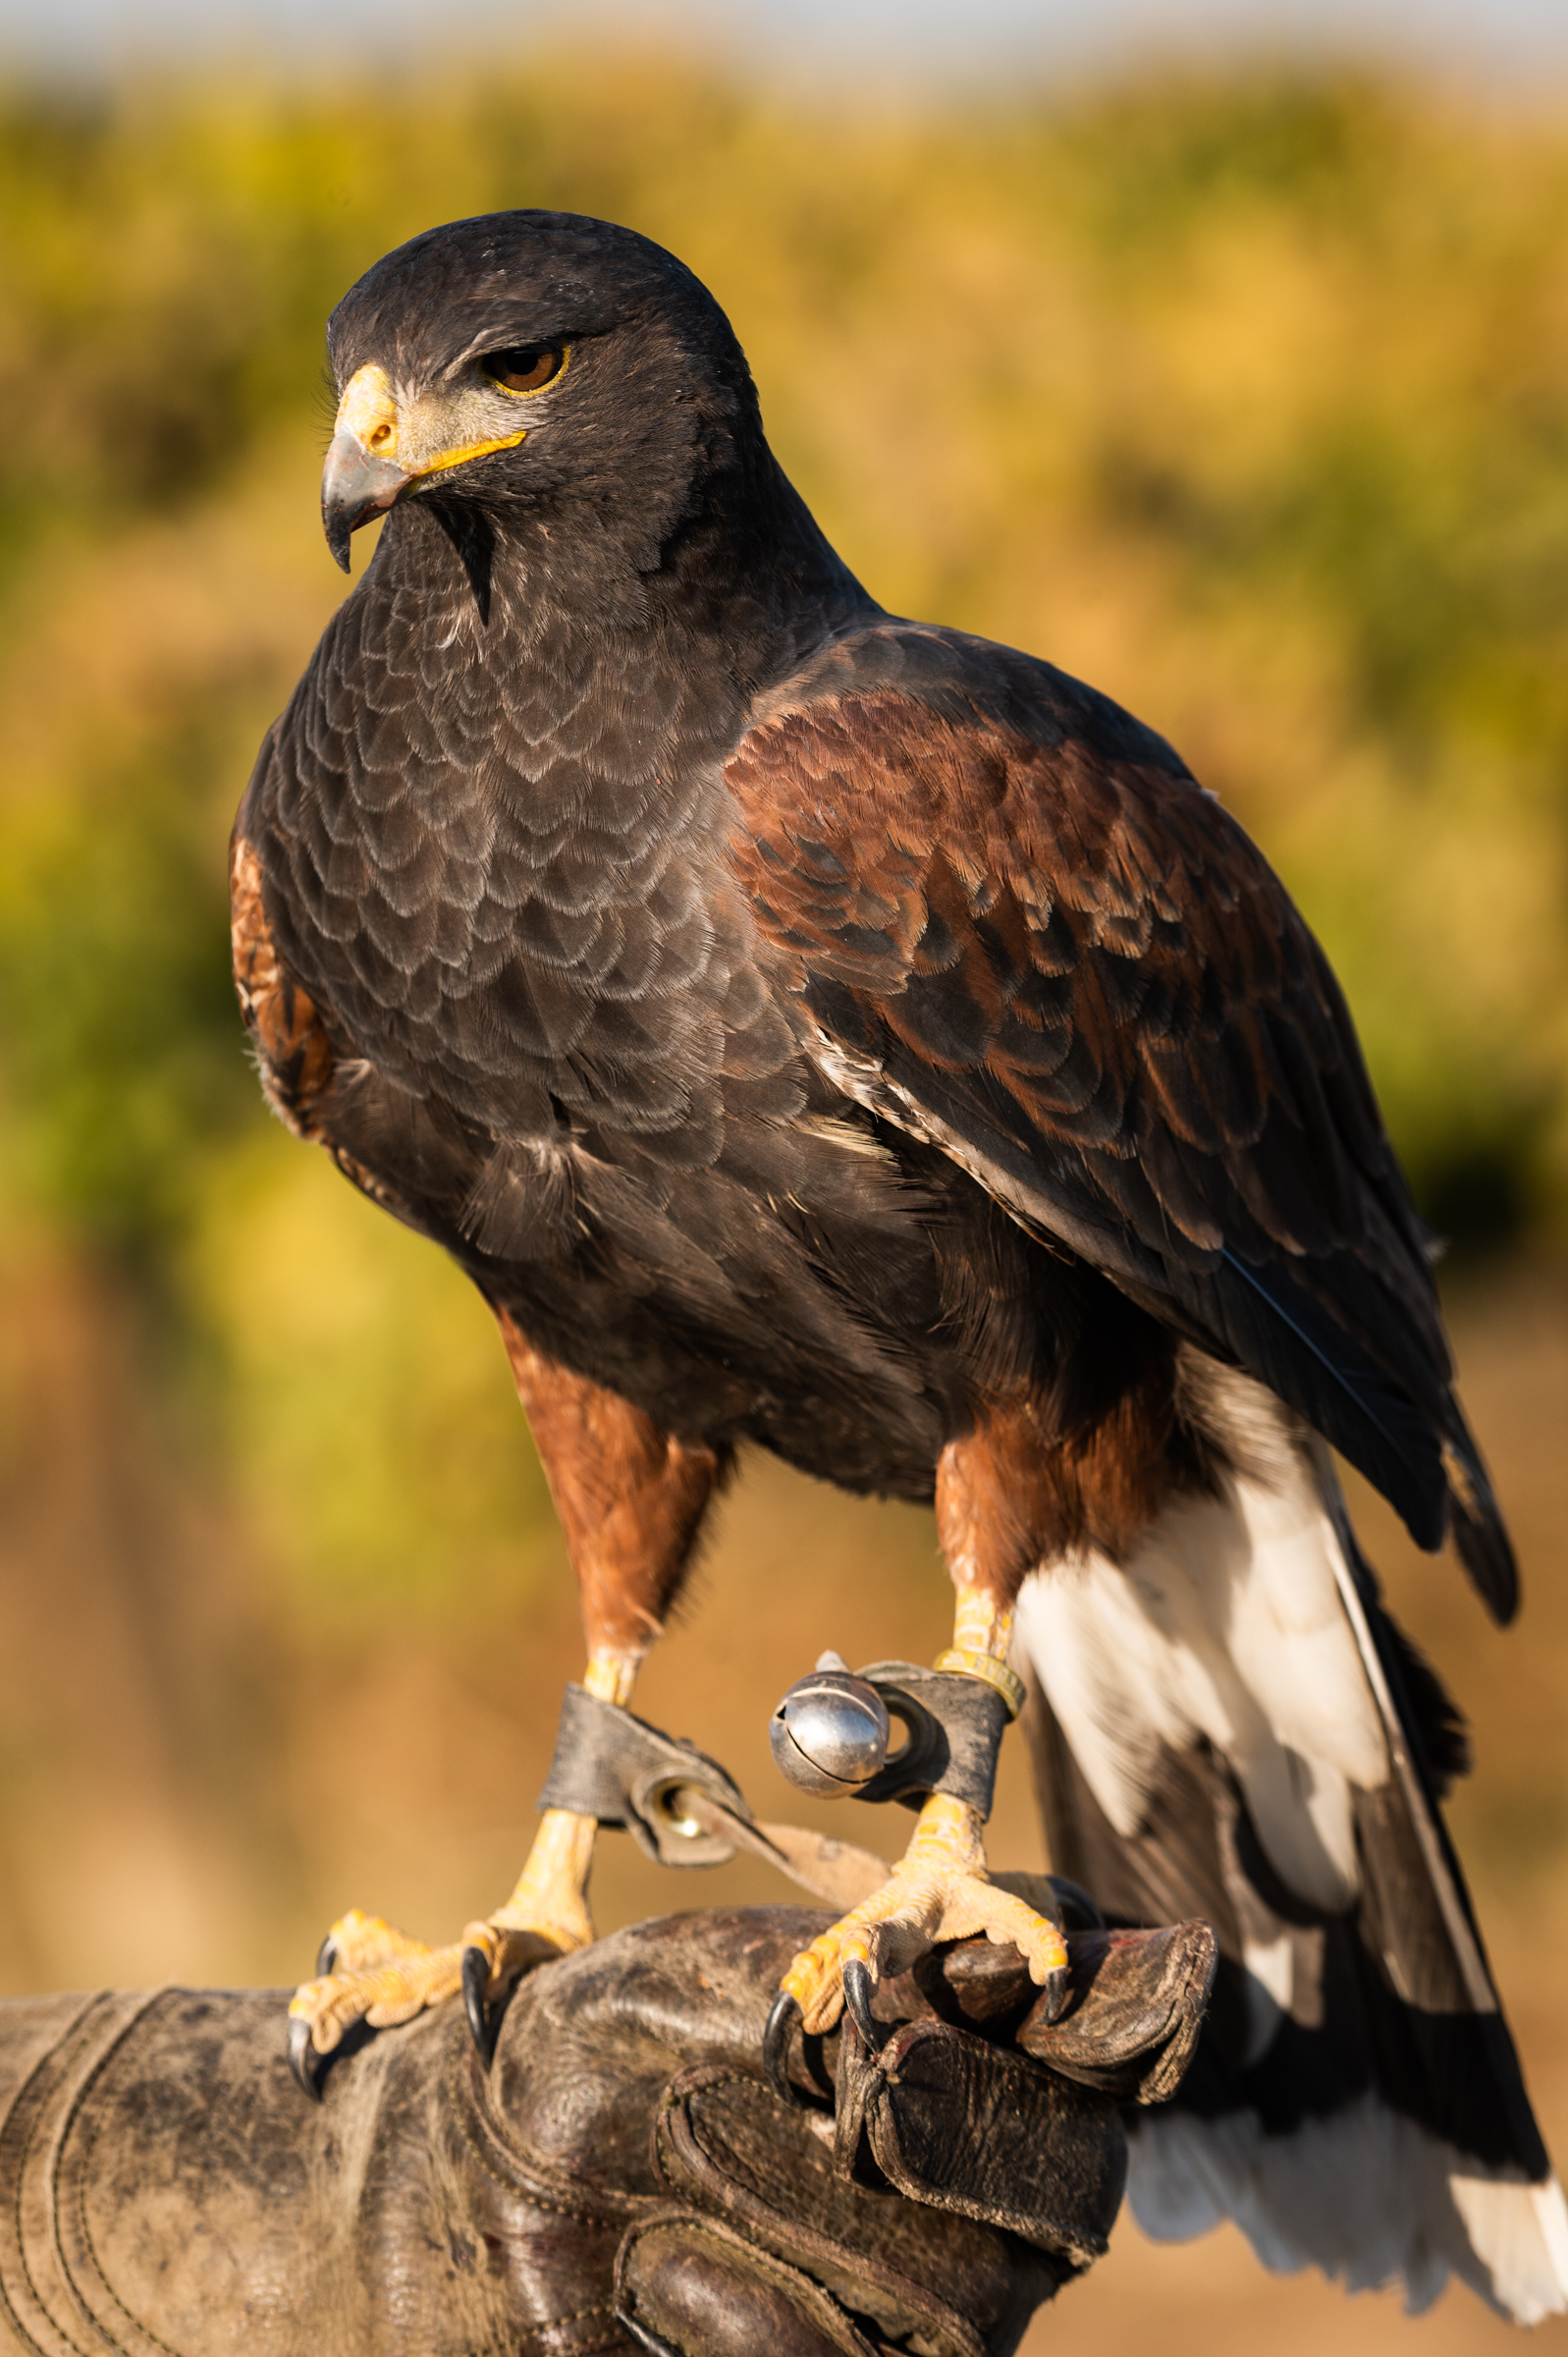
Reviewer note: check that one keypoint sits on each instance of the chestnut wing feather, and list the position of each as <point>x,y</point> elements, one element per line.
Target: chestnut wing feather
<point>1017,918</point>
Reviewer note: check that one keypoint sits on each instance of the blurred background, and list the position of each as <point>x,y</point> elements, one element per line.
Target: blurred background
<point>1229,370</point>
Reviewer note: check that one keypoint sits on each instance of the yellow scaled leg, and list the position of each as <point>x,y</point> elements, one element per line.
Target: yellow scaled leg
<point>370,1972</point>
<point>939,1890</point>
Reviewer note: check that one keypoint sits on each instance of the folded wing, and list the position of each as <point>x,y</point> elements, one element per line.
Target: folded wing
<point>1013,923</point>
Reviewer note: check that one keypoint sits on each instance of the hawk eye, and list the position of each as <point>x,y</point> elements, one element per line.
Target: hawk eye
<point>525,367</point>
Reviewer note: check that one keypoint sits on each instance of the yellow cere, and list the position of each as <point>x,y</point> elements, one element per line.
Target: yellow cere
<point>369,412</point>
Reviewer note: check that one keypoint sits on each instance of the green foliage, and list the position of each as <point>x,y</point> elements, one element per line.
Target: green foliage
<point>117,1006</point>
<point>382,1456</point>
<point>1247,398</point>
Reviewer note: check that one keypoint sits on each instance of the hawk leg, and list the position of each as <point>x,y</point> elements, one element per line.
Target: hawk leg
<point>631,1500</point>
<point>1009,1495</point>
<point>939,1890</point>
<point>369,1971</point>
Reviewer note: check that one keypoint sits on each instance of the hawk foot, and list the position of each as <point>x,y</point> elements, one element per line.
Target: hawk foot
<point>367,1971</point>
<point>938,1890</point>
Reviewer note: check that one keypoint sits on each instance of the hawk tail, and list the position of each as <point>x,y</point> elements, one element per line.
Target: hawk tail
<point>1229,1724</point>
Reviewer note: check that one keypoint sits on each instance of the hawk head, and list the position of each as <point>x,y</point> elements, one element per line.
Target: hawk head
<point>536,366</point>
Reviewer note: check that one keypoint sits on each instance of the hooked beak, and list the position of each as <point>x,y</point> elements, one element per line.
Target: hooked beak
<point>361,477</point>
<point>355,486</point>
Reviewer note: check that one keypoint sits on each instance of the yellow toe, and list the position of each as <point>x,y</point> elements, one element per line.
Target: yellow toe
<point>383,1994</point>
<point>938,1890</point>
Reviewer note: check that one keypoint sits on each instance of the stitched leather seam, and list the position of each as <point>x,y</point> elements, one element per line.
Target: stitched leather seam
<point>768,2264</point>
<point>76,2036</point>
<point>553,2196</point>
<point>806,2242</point>
<point>89,2147</point>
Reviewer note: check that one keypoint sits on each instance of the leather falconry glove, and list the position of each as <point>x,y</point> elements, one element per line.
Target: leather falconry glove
<point>622,2177</point>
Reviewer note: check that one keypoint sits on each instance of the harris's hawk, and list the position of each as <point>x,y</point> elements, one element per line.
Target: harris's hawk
<point>825,1030</point>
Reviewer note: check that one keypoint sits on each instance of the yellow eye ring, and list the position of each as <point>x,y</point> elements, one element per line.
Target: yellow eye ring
<point>527,392</point>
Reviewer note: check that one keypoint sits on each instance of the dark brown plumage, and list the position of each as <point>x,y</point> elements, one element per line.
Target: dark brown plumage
<point>806,1026</point>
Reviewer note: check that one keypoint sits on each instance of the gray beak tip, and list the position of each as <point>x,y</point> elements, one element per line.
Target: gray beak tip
<point>354,488</point>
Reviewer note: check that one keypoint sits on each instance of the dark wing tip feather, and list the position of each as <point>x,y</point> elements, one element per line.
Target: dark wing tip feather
<point>1475,1520</point>
<point>1486,1554</point>
<point>1311,1361</point>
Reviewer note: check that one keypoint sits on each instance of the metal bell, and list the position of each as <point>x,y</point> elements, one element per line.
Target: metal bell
<point>830,1732</point>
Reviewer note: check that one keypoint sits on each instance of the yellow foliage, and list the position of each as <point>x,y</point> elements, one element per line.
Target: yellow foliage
<point>383,1457</point>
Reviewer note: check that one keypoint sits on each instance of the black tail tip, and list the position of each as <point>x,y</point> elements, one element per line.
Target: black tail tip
<point>1485,1548</point>
<point>1480,1542</point>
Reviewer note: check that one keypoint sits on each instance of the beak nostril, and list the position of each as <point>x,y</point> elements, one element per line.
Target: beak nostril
<point>380,437</point>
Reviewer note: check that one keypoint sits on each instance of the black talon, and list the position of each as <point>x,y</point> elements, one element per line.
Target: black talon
<point>303,2060</point>
<point>857,1989</point>
<point>1058,1988</point>
<point>475,1989</point>
<point>783,2015</point>
<point>326,1957</point>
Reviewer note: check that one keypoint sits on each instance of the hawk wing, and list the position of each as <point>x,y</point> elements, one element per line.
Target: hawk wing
<point>1016,925</point>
